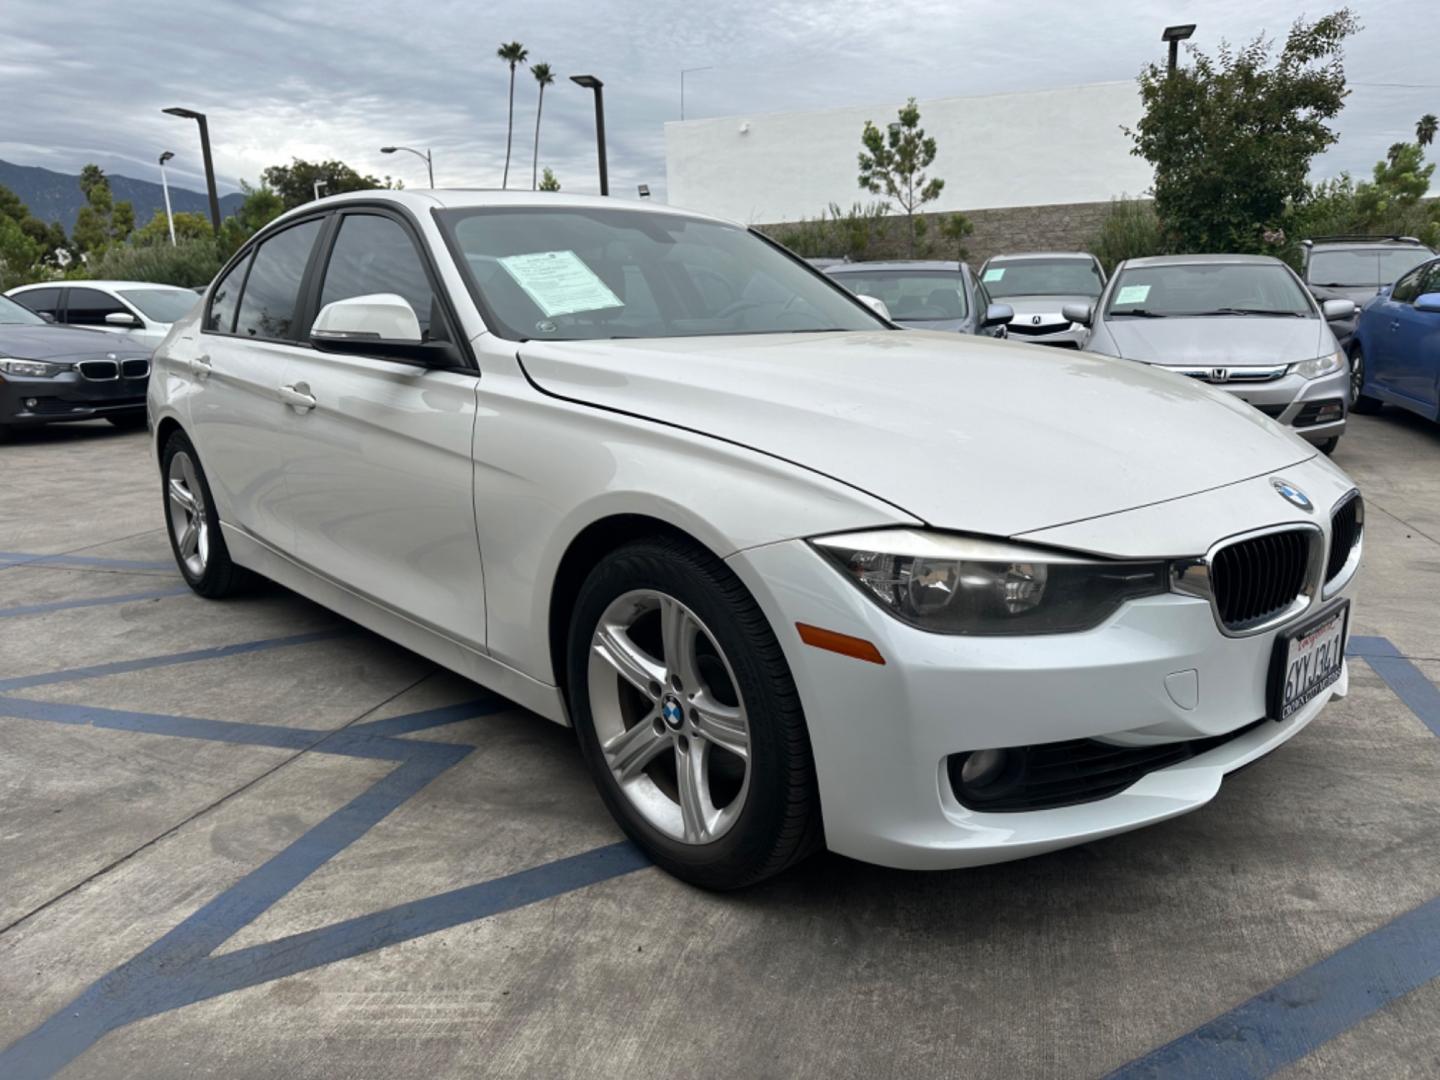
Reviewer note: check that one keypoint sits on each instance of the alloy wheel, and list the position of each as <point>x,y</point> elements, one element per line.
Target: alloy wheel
<point>1357,376</point>
<point>669,717</point>
<point>186,504</point>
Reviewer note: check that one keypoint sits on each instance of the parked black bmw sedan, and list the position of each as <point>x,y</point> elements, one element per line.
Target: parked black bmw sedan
<point>55,373</point>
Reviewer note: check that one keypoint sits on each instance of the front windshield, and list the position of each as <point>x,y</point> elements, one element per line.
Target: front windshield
<point>1364,269</point>
<point>12,314</point>
<point>162,305</point>
<point>579,273</point>
<point>911,295</point>
<point>1208,289</point>
<point>1042,277</point>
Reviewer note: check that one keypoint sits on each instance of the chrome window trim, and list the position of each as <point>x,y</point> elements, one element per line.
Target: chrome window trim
<point>1352,563</point>
<point>1191,577</point>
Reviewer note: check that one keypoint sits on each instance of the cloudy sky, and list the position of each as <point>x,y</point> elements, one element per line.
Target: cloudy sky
<point>84,80</point>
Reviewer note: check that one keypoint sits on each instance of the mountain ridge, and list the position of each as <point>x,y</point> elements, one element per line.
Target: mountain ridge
<point>56,196</point>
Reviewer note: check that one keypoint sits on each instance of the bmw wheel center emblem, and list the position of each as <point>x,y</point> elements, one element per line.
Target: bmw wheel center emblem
<point>1293,495</point>
<point>672,713</point>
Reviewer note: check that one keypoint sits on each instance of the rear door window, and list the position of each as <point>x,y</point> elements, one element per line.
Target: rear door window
<point>272,291</point>
<point>40,301</point>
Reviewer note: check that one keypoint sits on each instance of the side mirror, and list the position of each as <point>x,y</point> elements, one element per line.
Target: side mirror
<point>48,316</point>
<point>1084,314</point>
<point>875,304</point>
<point>380,324</point>
<point>1337,310</point>
<point>122,318</point>
<point>1429,301</point>
<point>997,315</point>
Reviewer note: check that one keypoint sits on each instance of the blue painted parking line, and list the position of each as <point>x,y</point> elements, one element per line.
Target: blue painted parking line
<point>1282,1025</point>
<point>22,558</point>
<point>219,652</point>
<point>1402,676</point>
<point>94,601</point>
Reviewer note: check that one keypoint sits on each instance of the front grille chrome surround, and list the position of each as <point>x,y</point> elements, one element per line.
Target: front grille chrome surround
<point>1227,373</point>
<point>1232,577</point>
<point>135,369</point>
<point>1347,543</point>
<point>99,370</point>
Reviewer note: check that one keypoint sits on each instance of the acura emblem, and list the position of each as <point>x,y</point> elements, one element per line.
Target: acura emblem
<point>1034,320</point>
<point>1293,495</point>
<point>1219,374</point>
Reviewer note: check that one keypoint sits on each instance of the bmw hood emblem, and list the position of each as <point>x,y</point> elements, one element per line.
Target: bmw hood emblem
<point>1293,495</point>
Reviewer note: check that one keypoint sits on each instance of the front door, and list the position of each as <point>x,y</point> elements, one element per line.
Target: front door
<point>380,478</point>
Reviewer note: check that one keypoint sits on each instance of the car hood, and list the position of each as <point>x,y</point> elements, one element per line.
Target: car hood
<point>964,433</point>
<point>63,343</point>
<point>1217,340</point>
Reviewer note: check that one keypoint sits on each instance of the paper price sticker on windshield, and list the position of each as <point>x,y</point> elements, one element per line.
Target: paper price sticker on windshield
<point>1133,294</point>
<point>559,282</point>
<point>994,274</point>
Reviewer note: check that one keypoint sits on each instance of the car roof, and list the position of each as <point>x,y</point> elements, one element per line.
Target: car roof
<point>1019,256</point>
<point>423,200</point>
<point>905,264</point>
<point>1362,243</point>
<point>85,283</point>
<point>1203,260</point>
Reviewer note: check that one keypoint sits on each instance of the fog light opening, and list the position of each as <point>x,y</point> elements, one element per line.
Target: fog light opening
<point>981,768</point>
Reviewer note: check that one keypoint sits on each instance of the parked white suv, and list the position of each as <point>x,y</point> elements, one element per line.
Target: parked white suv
<point>795,576</point>
<point>142,311</point>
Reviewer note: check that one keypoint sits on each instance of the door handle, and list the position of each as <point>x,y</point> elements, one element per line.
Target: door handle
<point>298,397</point>
<point>1394,324</point>
<point>200,365</point>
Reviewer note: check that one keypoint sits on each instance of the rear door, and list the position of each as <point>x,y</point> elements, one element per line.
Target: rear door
<point>1384,356</point>
<point>237,408</point>
<point>381,477</point>
<point>1417,345</point>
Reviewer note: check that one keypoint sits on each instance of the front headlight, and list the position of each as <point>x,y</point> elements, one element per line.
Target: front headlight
<point>1321,365</point>
<point>35,369</point>
<point>962,585</point>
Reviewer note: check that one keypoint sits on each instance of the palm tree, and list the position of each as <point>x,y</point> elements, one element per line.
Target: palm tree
<point>544,78</point>
<point>513,54</point>
<point>1425,129</point>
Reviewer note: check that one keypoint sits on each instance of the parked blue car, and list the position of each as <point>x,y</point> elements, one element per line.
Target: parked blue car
<point>1395,356</point>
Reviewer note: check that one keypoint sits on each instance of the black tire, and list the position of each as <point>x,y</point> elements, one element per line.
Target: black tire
<point>220,576</point>
<point>128,421</point>
<point>779,823</point>
<point>1328,446</point>
<point>1360,403</point>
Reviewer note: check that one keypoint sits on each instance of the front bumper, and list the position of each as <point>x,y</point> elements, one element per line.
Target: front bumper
<point>882,734</point>
<point>1285,401</point>
<point>68,396</point>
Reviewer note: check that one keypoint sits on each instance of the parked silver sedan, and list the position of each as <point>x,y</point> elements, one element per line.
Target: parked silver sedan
<point>1037,286</point>
<point>1242,322</point>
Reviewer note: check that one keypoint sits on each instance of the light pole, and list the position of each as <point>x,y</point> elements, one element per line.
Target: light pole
<point>1174,35</point>
<point>199,118</point>
<point>590,82</point>
<point>429,164</point>
<point>165,187</point>
<point>316,185</point>
<point>683,73</point>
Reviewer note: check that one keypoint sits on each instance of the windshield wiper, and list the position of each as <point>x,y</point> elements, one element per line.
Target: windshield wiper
<point>1141,313</point>
<point>1277,312</point>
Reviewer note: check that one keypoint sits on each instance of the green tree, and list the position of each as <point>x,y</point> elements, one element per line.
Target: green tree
<point>548,181</point>
<point>513,54</point>
<point>1425,129</point>
<point>1231,137</point>
<point>48,237</point>
<point>1399,182</point>
<point>295,183</point>
<point>188,226</point>
<point>893,164</point>
<point>955,228</point>
<point>544,77</point>
<point>101,221</point>
<point>260,207</point>
<point>19,257</point>
<point>189,264</point>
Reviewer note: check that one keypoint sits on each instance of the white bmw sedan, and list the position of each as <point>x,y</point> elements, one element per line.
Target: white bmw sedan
<point>795,577</point>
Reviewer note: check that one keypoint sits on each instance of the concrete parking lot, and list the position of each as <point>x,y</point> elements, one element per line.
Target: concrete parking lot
<point>248,838</point>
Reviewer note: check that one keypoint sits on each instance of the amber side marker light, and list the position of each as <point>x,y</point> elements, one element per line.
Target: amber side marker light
<point>844,644</point>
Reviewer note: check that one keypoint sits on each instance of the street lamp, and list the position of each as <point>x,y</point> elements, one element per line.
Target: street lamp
<point>429,165</point>
<point>1174,35</point>
<point>590,82</point>
<point>316,186</point>
<point>199,118</point>
<point>165,187</point>
<point>683,73</point>
<point>644,190</point>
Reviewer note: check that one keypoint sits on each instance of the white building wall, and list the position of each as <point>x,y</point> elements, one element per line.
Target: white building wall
<point>1031,149</point>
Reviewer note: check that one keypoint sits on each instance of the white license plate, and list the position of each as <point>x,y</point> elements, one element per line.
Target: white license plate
<point>1307,661</point>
